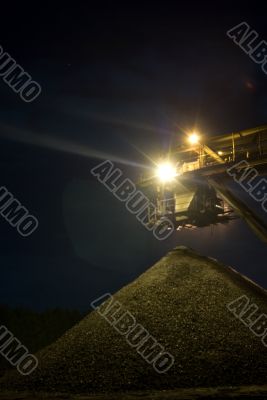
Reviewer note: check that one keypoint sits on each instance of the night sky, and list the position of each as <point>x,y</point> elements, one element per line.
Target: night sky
<point>119,82</point>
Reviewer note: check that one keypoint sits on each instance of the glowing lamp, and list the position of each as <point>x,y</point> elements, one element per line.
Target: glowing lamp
<point>193,138</point>
<point>166,172</point>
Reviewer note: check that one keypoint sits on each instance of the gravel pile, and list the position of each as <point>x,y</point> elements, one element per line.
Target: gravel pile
<point>181,301</point>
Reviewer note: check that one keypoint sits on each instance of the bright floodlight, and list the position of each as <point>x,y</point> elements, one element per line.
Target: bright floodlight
<point>193,138</point>
<point>166,172</point>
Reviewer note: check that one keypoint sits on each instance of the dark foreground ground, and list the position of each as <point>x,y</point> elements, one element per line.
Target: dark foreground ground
<point>244,392</point>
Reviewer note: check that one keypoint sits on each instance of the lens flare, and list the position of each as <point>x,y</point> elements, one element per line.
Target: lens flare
<point>194,138</point>
<point>166,172</point>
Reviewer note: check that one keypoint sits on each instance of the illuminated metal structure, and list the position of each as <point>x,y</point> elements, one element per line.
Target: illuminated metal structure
<point>190,188</point>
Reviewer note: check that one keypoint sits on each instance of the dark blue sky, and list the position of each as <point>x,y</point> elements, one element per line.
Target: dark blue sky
<point>116,81</point>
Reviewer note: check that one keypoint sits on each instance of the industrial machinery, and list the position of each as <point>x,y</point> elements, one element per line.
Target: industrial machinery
<point>191,189</point>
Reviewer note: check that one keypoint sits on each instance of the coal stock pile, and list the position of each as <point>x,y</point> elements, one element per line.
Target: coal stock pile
<point>182,302</point>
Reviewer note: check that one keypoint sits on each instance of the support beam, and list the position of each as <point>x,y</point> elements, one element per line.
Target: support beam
<point>258,226</point>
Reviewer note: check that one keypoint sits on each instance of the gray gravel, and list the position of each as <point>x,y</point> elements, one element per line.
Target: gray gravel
<point>181,301</point>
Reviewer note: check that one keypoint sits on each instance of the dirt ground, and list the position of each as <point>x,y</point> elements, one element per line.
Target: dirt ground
<point>244,392</point>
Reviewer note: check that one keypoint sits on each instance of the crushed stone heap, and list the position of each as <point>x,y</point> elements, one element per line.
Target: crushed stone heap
<point>182,302</point>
